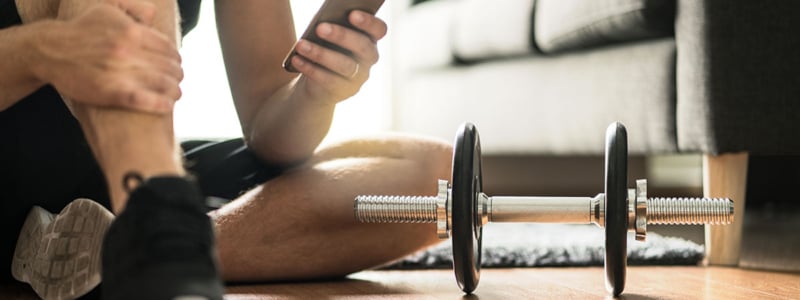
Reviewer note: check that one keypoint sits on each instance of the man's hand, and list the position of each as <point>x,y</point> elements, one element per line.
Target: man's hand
<point>108,56</point>
<point>340,76</point>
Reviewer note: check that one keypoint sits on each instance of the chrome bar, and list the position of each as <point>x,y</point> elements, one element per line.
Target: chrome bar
<point>540,209</point>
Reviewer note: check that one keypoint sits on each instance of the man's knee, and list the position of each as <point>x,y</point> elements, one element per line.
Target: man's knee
<point>435,157</point>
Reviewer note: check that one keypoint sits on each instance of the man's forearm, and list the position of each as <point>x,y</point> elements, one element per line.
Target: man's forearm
<point>17,76</point>
<point>255,36</point>
<point>288,127</point>
<point>284,117</point>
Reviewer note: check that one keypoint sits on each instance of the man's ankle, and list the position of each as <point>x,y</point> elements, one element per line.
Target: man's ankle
<point>127,141</point>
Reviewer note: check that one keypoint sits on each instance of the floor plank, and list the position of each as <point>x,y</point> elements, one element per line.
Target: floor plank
<point>644,282</point>
<point>544,283</point>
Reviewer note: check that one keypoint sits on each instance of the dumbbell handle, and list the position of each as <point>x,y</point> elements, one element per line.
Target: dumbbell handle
<point>533,209</point>
<point>541,209</point>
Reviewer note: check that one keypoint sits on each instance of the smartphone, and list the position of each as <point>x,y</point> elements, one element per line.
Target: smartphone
<point>332,11</point>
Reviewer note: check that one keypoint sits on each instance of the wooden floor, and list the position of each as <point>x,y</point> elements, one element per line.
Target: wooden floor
<point>542,283</point>
<point>530,283</point>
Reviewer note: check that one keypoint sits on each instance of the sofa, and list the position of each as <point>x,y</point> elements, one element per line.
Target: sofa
<point>545,77</point>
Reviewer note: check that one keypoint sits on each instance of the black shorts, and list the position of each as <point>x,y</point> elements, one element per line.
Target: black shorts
<point>226,169</point>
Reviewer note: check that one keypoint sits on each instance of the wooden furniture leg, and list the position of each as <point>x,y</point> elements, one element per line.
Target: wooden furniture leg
<point>725,176</point>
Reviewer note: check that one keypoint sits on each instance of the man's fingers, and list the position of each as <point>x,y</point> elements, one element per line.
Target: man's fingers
<point>168,66</point>
<point>141,11</point>
<point>328,82</point>
<point>146,91</point>
<point>147,101</point>
<point>334,61</point>
<point>159,83</point>
<point>151,102</point>
<point>129,95</point>
<point>157,42</point>
<point>376,28</point>
<point>363,47</point>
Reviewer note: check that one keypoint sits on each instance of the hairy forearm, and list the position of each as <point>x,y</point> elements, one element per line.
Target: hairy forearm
<point>278,124</point>
<point>288,127</point>
<point>17,76</point>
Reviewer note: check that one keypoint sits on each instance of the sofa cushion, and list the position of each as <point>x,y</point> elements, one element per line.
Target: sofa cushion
<point>422,36</point>
<point>557,105</point>
<point>571,24</point>
<point>490,29</point>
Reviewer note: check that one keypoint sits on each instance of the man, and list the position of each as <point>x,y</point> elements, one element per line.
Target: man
<point>116,65</point>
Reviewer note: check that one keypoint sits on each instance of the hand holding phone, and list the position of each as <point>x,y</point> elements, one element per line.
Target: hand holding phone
<point>336,12</point>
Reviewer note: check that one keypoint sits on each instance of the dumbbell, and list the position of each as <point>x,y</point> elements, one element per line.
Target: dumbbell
<point>460,209</point>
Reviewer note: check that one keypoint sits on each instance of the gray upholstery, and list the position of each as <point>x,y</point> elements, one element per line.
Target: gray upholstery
<point>489,29</point>
<point>573,24</point>
<point>557,105</point>
<point>728,80</point>
<point>738,76</point>
<point>426,33</point>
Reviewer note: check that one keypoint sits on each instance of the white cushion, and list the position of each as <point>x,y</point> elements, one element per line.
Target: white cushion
<point>422,36</point>
<point>489,29</point>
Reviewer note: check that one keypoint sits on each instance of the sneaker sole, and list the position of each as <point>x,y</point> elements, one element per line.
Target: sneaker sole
<point>59,255</point>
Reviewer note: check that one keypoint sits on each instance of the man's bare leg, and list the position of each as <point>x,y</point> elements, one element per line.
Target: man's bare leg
<point>160,246</point>
<point>301,225</point>
<point>55,257</point>
<point>125,141</point>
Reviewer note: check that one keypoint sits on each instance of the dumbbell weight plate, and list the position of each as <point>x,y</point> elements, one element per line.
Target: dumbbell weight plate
<point>467,185</point>
<point>616,207</point>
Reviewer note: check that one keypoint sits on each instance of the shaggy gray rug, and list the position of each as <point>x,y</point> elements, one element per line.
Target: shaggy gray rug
<point>540,245</point>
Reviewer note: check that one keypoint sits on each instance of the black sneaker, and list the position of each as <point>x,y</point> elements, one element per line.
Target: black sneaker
<point>161,246</point>
<point>59,255</point>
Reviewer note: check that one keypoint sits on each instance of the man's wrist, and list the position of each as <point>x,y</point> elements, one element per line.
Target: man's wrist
<point>37,43</point>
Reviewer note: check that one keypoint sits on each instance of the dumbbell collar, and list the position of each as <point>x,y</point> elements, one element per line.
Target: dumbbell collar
<point>443,218</point>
